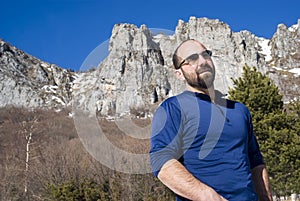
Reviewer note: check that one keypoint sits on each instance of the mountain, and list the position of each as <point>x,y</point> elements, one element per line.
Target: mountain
<point>26,81</point>
<point>137,73</point>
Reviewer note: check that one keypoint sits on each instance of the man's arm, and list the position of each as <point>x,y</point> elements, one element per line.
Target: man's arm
<point>261,183</point>
<point>176,177</point>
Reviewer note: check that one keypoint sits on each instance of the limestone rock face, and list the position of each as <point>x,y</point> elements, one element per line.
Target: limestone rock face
<point>25,81</point>
<point>138,72</point>
<point>285,60</point>
<point>132,76</point>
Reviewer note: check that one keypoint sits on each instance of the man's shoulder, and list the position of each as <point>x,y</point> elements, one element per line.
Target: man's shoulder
<point>179,100</point>
<point>169,100</point>
<point>174,99</point>
<point>237,105</point>
<point>240,104</point>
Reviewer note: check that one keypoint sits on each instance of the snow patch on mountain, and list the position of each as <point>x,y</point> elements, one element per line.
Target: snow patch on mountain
<point>266,48</point>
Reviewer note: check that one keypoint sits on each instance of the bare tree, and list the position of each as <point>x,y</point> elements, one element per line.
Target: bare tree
<point>28,129</point>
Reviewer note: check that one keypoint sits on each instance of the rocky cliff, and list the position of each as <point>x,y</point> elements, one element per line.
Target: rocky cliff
<point>26,81</point>
<point>137,73</point>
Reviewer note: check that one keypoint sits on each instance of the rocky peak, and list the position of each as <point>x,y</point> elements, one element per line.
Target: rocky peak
<point>127,38</point>
<point>138,71</point>
<point>133,74</point>
<point>285,45</point>
<point>285,62</point>
<point>25,81</point>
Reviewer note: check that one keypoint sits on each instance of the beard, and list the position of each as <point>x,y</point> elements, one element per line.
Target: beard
<point>204,80</point>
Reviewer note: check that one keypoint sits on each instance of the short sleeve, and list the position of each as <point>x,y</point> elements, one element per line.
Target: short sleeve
<point>165,143</point>
<point>255,156</point>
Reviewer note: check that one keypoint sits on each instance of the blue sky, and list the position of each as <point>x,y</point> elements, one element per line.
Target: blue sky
<point>65,32</point>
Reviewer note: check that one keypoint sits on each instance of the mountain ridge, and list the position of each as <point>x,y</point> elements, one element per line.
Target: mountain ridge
<point>137,73</point>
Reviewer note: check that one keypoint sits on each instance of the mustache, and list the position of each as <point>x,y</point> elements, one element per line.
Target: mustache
<point>205,68</point>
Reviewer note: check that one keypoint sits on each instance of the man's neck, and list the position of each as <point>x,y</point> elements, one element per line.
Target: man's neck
<point>210,91</point>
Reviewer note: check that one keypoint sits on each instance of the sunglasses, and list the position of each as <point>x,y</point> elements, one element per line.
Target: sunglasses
<point>192,59</point>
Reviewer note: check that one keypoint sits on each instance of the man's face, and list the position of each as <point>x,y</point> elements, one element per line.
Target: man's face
<point>197,67</point>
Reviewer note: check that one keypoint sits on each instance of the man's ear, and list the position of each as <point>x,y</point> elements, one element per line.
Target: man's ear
<point>179,75</point>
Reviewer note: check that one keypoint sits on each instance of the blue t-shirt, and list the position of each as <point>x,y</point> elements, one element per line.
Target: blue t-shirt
<point>214,141</point>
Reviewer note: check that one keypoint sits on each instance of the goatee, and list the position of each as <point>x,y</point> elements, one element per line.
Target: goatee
<point>200,82</point>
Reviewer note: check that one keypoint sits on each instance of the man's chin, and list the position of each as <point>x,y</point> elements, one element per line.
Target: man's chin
<point>207,82</point>
<point>207,76</point>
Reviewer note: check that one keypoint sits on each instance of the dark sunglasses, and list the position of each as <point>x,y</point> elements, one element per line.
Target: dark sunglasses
<point>192,59</point>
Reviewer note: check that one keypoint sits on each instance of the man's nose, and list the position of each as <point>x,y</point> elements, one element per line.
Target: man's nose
<point>201,61</point>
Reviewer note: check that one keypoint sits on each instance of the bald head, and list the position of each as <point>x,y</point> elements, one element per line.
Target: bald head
<point>185,49</point>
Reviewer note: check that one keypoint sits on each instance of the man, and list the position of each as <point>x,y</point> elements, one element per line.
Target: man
<point>203,146</point>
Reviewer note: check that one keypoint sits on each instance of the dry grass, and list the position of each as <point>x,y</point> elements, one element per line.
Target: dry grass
<point>57,156</point>
<point>123,140</point>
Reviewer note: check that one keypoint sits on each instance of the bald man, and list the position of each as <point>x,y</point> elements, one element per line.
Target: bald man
<point>202,145</point>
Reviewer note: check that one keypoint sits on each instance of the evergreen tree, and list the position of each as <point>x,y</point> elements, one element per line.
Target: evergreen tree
<point>277,130</point>
<point>257,90</point>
